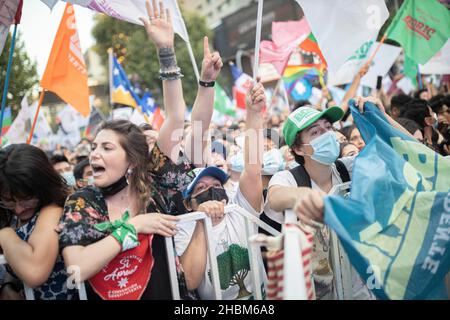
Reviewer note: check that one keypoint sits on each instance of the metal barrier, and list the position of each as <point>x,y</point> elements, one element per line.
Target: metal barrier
<point>294,286</point>
<point>253,251</point>
<point>340,263</point>
<point>250,220</point>
<point>195,216</point>
<point>29,293</point>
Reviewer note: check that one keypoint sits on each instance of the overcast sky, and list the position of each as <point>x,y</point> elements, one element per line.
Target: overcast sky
<point>39,25</point>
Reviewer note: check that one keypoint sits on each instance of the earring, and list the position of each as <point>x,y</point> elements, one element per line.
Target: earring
<point>129,172</point>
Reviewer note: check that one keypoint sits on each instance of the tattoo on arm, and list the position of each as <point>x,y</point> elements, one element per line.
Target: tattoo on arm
<point>167,59</point>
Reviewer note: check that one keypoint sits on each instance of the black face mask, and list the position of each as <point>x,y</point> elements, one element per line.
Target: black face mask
<point>116,187</point>
<point>217,194</point>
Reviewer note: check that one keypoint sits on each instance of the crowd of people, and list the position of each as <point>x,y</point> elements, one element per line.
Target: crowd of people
<point>100,213</point>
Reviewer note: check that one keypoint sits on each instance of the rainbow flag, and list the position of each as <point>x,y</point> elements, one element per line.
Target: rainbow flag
<point>6,120</point>
<point>293,74</point>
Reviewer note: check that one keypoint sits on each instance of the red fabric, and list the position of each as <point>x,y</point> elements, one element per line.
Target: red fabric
<point>158,119</point>
<point>239,97</point>
<point>126,277</point>
<point>18,13</point>
<point>275,263</point>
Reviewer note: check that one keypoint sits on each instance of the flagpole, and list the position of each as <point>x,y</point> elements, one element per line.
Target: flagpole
<point>188,44</point>
<point>194,63</point>
<point>372,56</point>
<point>110,63</point>
<point>258,38</point>
<point>8,73</point>
<point>36,116</point>
<point>419,78</point>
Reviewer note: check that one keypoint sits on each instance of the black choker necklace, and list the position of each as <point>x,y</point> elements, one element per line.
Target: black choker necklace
<point>116,187</point>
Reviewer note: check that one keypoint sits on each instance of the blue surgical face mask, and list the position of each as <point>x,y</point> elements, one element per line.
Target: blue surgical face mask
<point>326,148</point>
<point>90,180</point>
<point>69,177</point>
<point>272,162</point>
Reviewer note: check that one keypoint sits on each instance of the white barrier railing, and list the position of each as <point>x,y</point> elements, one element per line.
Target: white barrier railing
<point>29,293</point>
<point>253,248</point>
<point>340,263</point>
<point>294,285</point>
<point>194,216</point>
<point>250,220</point>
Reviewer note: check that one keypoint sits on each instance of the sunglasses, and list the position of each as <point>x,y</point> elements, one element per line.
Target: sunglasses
<point>27,204</point>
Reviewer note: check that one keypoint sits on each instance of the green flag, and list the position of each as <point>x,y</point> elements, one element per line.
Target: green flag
<point>222,102</point>
<point>410,69</point>
<point>421,27</point>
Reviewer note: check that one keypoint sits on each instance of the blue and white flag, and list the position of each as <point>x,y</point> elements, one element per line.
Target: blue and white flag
<point>395,225</point>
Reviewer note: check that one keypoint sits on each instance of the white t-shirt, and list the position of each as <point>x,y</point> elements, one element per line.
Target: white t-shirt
<point>286,179</point>
<point>230,243</point>
<point>322,273</point>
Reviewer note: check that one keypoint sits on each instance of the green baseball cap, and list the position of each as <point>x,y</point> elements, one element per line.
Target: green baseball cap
<point>303,117</point>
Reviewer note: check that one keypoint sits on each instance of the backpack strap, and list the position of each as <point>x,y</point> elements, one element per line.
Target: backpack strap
<point>301,176</point>
<point>343,172</point>
<point>303,179</point>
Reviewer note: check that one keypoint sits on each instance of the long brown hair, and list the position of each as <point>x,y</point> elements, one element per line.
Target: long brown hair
<point>134,142</point>
<point>25,172</point>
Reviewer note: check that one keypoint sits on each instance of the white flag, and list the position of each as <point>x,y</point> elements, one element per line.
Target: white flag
<point>71,119</point>
<point>131,11</point>
<point>19,130</point>
<point>406,85</point>
<point>137,118</point>
<point>350,68</point>
<point>124,113</point>
<point>42,130</point>
<point>383,61</point>
<point>4,31</point>
<point>440,63</point>
<point>342,26</point>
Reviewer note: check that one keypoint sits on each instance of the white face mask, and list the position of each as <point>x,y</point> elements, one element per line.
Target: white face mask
<point>90,180</point>
<point>326,148</point>
<point>69,177</point>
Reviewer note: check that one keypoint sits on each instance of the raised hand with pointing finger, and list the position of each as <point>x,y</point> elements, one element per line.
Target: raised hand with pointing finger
<point>211,64</point>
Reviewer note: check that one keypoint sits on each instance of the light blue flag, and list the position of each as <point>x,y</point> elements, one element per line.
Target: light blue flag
<point>395,225</point>
<point>50,3</point>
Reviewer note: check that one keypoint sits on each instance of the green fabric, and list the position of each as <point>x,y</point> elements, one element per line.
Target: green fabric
<point>222,102</point>
<point>421,27</point>
<point>124,232</point>
<point>304,117</point>
<point>410,69</point>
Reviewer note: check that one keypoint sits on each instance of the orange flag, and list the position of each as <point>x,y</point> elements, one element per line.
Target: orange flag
<point>66,73</point>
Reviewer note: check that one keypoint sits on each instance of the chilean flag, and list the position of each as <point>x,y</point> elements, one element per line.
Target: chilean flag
<point>158,119</point>
<point>242,83</point>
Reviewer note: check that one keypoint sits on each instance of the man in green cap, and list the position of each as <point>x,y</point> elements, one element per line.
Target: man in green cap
<point>309,133</point>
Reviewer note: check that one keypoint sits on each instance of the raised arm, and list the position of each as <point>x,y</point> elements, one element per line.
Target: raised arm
<point>160,30</point>
<point>360,101</point>
<point>250,182</point>
<point>351,92</point>
<point>33,260</point>
<point>196,141</point>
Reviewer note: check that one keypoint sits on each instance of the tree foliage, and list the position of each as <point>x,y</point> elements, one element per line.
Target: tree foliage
<point>23,75</point>
<point>233,267</point>
<point>138,55</point>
